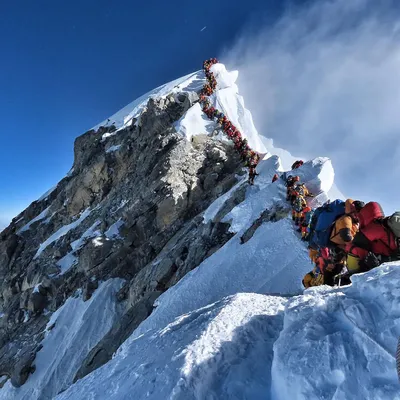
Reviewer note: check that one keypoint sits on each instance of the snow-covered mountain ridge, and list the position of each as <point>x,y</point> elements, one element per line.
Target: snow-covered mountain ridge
<point>154,271</point>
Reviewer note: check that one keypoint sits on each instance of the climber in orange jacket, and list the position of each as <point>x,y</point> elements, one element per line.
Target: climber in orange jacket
<point>345,227</point>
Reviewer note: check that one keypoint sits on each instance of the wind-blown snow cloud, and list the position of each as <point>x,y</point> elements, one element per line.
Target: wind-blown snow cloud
<point>325,81</point>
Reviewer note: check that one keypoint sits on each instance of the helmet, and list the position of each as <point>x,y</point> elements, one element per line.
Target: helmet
<point>358,205</point>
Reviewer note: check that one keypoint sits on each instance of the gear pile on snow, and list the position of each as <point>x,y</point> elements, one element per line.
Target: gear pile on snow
<point>249,156</point>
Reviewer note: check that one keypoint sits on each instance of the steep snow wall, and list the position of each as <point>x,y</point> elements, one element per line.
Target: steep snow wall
<point>326,344</point>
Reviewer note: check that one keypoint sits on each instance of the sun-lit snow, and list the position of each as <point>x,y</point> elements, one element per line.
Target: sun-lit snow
<point>327,344</point>
<point>61,232</point>
<point>89,233</point>
<point>227,100</point>
<point>41,216</point>
<point>341,343</point>
<point>113,148</point>
<point>66,262</point>
<point>124,116</point>
<point>78,327</point>
<point>195,122</point>
<point>113,231</point>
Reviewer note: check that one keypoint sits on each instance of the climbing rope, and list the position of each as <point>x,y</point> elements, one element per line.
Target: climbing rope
<point>248,156</point>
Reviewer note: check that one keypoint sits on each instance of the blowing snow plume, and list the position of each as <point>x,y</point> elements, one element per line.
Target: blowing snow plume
<point>324,81</point>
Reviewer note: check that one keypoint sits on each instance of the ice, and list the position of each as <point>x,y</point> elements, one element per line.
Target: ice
<point>47,194</point>
<point>66,262</point>
<point>326,344</point>
<point>89,233</point>
<point>124,117</point>
<point>41,216</point>
<point>78,327</point>
<point>113,231</point>
<point>113,148</point>
<point>61,232</point>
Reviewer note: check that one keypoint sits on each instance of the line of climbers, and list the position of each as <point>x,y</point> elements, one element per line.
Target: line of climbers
<point>344,237</point>
<point>249,156</point>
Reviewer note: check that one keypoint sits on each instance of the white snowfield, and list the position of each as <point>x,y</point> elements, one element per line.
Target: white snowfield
<point>124,117</point>
<point>79,326</point>
<point>326,344</point>
<point>239,325</point>
<point>227,100</point>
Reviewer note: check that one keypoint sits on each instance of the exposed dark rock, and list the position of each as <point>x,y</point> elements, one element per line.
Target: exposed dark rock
<point>131,207</point>
<point>271,215</point>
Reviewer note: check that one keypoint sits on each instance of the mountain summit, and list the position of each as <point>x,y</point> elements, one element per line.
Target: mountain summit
<point>153,270</point>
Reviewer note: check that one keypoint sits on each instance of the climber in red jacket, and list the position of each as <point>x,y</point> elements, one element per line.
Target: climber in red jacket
<point>297,164</point>
<point>275,178</point>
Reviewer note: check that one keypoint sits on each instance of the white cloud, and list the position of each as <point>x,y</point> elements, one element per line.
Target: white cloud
<point>325,80</point>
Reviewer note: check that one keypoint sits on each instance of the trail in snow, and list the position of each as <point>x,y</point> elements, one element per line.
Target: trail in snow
<point>222,351</point>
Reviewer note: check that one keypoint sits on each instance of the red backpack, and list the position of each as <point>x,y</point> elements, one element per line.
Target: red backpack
<point>369,213</point>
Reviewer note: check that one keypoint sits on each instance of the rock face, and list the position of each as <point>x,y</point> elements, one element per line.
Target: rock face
<point>129,208</point>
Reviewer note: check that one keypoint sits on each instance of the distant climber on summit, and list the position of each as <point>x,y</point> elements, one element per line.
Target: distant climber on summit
<point>297,164</point>
<point>252,175</point>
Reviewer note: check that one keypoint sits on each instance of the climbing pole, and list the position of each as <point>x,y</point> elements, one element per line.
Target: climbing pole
<point>249,156</point>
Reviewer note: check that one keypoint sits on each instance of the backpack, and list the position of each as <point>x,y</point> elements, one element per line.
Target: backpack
<point>308,217</point>
<point>299,204</point>
<point>394,223</point>
<point>312,226</point>
<point>369,213</point>
<point>326,218</point>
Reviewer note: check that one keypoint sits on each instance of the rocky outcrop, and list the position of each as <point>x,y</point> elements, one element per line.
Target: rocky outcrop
<point>130,208</point>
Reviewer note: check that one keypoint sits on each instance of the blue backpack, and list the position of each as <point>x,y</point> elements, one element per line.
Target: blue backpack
<point>326,218</point>
<point>322,222</point>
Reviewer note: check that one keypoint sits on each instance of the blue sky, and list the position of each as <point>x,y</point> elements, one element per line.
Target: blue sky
<point>65,66</point>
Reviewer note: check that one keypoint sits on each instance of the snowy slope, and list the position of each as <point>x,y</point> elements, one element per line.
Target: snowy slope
<point>327,344</point>
<point>123,118</point>
<point>226,99</point>
<point>78,327</point>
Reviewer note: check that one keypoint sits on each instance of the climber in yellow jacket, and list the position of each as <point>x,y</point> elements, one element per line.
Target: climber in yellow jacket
<point>347,225</point>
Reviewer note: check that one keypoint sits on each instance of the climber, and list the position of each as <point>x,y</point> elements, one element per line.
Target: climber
<point>302,190</point>
<point>297,213</point>
<point>375,242</point>
<point>275,178</point>
<point>346,226</point>
<point>297,164</point>
<point>252,175</point>
<point>329,264</point>
<point>290,182</point>
<point>308,213</point>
